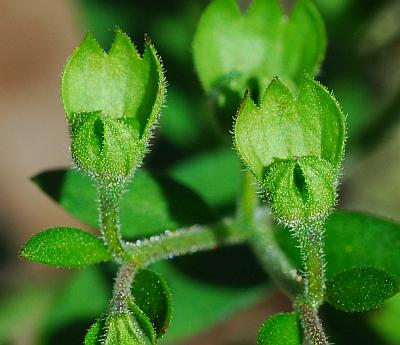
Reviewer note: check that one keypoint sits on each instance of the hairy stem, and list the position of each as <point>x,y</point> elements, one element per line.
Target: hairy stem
<point>311,240</point>
<point>109,198</point>
<point>181,242</point>
<point>122,288</point>
<point>313,330</point>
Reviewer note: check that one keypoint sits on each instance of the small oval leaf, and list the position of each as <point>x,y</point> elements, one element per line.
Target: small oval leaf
<point>361,288</point>
<point>144,322</point>
<point>152,295</point>
<point>280,329</point>
<point>69,247</point>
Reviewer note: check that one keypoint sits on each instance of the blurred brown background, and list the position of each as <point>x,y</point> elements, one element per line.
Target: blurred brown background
<point>37,36</point>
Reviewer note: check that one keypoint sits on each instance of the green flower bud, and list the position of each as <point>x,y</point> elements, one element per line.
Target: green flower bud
<point>294,146</point>
<point>118,329</point>
<point>103,146</point>
<point>301,189</point>
<point>112,102</point>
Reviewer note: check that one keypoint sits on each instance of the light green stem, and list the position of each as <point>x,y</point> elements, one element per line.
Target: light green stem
<point>181,242</point>
<point>258,223</point>
<point>311,238</point>
<point>272,257</point>
<point>109,198</point>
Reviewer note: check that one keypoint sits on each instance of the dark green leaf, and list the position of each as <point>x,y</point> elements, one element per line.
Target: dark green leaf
<point>280,329</point>
<point>144,323</point>
<point>360,289</point>
<point>235,50</point>
<point>354,239</point>
<point>152,295</point>
<point>198,305</point>
<point>357,239</point>
<point>151,204</point>
<point>68,247</point>
<point>214,175</point>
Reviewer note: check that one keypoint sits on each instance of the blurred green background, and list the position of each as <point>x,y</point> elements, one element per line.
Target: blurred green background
<point>38,305</point>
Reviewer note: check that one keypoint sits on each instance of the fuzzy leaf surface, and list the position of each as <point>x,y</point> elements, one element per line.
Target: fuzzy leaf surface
<point>361,288</point>
<point>69,247</point>
<point>153,297</point>
<point>353,239</point>
<point>280,329</point>
<point>356,240</point>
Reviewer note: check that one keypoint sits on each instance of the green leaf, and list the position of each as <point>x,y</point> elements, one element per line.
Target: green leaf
<point>284,127</point>
<point>94,333</point>
<point>214,175</point>
<point>199,305</point>
<point>353,239</point>
<point>68,247</point>
<point>281,329</point>
<point>360,289</point>
<point>153,297</point>
<point>144,322</point>
<point>357,239</point>
<point>151,204</point>
<point>236,50</point>
<point>112,102</point>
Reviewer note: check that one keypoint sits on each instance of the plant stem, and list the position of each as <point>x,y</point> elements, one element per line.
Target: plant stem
<point>311,239</point>
<point>257,221</point>
<point>122,288</point>
<point>272,257</point>
<point>109,197</point>
<point>313,330</point>
<point>181,242</point>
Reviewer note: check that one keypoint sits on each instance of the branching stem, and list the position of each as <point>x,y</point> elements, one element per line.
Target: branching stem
<point>273,258</point>
<point>122,288</point>
<point>182,242</point>
<point>257,221</point>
